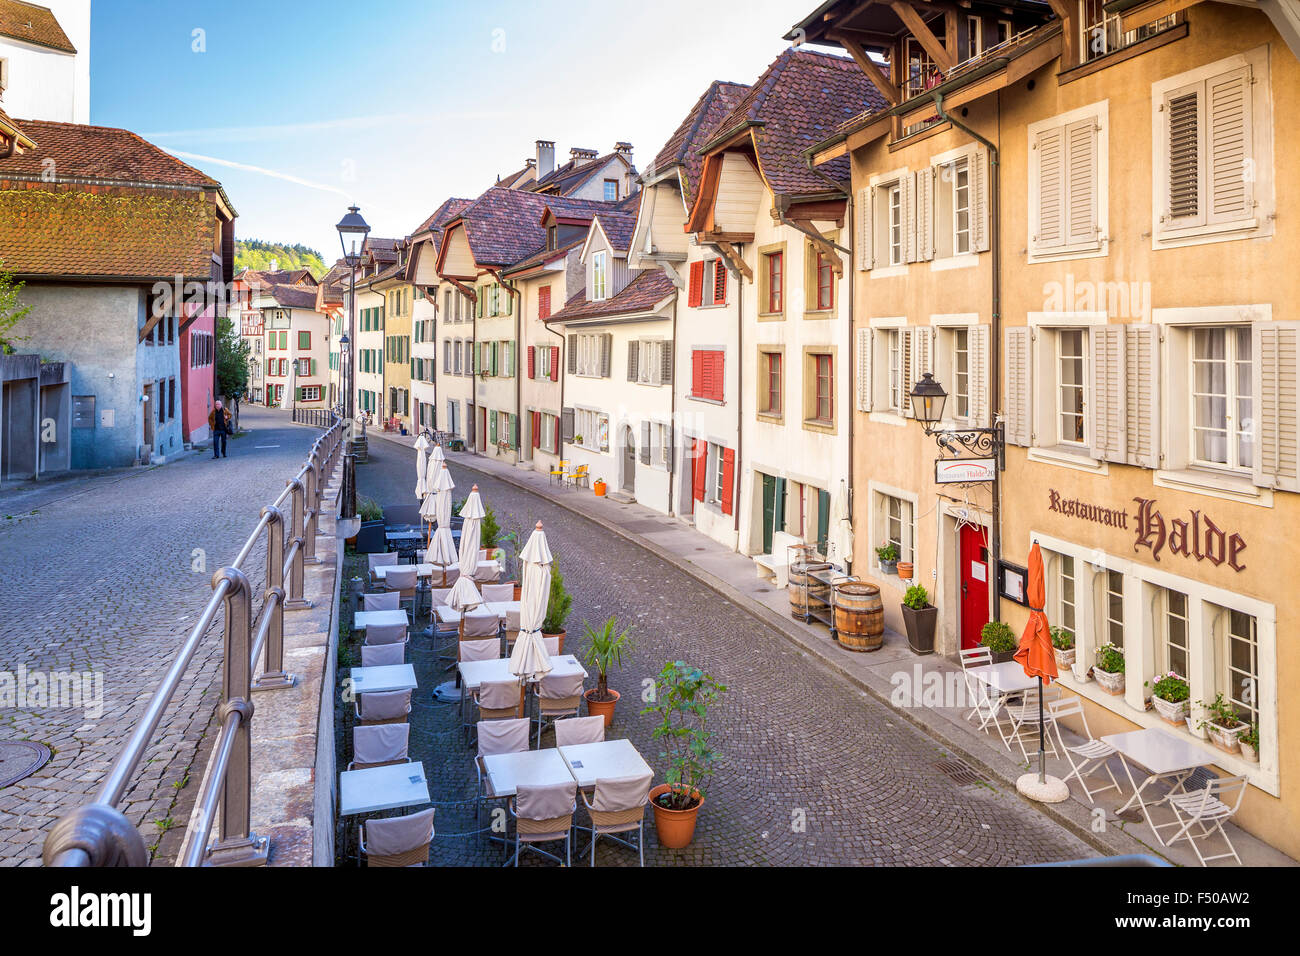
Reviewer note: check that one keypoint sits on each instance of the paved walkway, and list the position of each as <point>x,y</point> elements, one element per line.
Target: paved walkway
<point>108,576</point>
<point>734,577</point>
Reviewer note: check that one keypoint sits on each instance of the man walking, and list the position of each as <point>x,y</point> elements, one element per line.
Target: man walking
<point>219,423</point>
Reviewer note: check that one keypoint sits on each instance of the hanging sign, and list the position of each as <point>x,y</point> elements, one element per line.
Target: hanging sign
<point>951,471</point>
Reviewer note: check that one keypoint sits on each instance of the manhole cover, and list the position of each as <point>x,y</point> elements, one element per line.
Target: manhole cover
<point>19,759</point>
<point>958,772</point>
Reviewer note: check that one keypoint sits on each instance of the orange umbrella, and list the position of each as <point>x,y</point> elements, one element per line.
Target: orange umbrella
<point>1035,653</point>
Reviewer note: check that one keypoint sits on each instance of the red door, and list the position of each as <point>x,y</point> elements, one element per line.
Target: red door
<point>974,574</point>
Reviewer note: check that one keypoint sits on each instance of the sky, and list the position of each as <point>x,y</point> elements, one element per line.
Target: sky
<point>299,109</point>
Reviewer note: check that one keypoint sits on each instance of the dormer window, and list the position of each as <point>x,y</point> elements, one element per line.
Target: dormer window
<point>611,190</point>
<point>552,238</point>
<point>599,276</point>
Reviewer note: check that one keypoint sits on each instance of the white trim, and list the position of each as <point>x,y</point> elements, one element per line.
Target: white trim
<point>887,418</point>
<point>888,322</point>
<point>1066,319</point>
<point>955,319</point>
<point>1213,315</point>
<point>1055,455</point>
<point>1202,482</point>
<point>888,272</point>
<point>965,260</point>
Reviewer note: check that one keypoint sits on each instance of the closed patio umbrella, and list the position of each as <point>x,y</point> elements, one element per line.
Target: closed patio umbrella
<point>436,457</point>
<point>1035,655</point>
<point>839,544</point>
<point>442,546</point>
<point>421,465</point>
<point>529,660</point>
<point>463,593</point>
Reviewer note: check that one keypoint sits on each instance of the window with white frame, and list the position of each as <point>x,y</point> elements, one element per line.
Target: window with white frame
<point>961,390</point>
<point>650,361</point>
<point>591,429</point>
<point>974,37</point>
<point>599,276</point>
<point>1222,392</point>
<point>1068,183</point>
<point>1173,631</point>
<point>895,224</point>
<point>1237,663</point>
<point>592,352</point>
<point>717,481</point>
<point>660,444</point>
<point>898,358</point>
<point>1070,387</point>
<point>1067,610</point>
<point>547,438</point>
<point>895,524</point>
<point>1113,626</point>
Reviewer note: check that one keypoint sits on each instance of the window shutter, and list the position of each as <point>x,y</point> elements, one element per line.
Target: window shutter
<point>977,346</point>
<point>696,295</point>
<point>719,282</point>
<point>864,370</point>
<point>558,438</point>
<point>1049,226</point>
<point>492,427</point>
<point>697,373</point>
<point>925,214</point>
<point>699,467</point>
<point>1185,145</point>
<point>606,350</point>
<point>514,431</point>
<point>633,351</point>
<point>555,363</point>
<point>1229,187</point>
<point>866,254</point>
<point>1277,446</point>
<point>717,379</point>
<point>1081,184</point>
<point>566,425</point>
<point>532,361</point>
<point>1108,418</point>
<point>918,358</point>
<point>1019,381</point>
<point>544,303</point>
<point>535,425</point>
<point>666,363</point>
<point>573,355</point>
<point>1142,395</point>
<point>979,192</point>
<point>908,200</point>
<point>728,491</point>
<point>645,443</point>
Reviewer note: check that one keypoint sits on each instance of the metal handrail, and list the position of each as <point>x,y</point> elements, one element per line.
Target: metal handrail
<point>97,834</point>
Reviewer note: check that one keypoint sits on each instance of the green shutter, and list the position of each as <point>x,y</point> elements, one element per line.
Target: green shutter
<point>297,394</point>
<point>496,352</point>
<point>492,427</point>
<point>514,431</point>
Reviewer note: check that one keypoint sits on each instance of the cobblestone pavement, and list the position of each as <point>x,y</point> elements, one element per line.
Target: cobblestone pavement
<point>814,771</point>
<point>109,578</point>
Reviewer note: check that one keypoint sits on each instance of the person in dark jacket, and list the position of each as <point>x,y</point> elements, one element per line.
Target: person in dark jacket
<point>219,422</point>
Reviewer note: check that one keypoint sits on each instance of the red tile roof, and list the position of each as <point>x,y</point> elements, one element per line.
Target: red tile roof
<point>444,214</point>
<point>575,174</point>
<point>293,296</point>
<point>10,130</point>
<point>99,154</point>
<point>504,226</point>
<point>33,24</point>
<point>619,226</point>
<point>682,149</point>
<point>646,290</point>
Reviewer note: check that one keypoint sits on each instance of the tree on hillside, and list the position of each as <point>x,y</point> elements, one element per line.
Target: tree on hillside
<point>232,365</point>
<point>11,313</point>
<point>259,256</point>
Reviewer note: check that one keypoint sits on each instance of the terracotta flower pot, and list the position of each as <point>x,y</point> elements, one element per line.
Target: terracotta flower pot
<point>905,570</point>
<point>1064,658</point>
<point>519,591</point>
<point>560,635</point>
<point>675,828</point>
<point>602,708</point>
<point>1227,739</point>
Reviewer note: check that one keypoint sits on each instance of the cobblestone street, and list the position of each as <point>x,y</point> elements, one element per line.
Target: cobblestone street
<point>813,771</point>
<point>109,575</point>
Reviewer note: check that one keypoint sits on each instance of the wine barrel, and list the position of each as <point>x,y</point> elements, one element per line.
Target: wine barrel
<point>859,616</point>
<point>817,594</point>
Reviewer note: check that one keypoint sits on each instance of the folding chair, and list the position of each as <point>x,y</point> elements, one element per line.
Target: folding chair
<point>388,707</point>
<point>398,841</point>
<point>544,814</point>
<point>558,697</point>
<point>1209,809</point>
<point>379,634</point>
<point>512,628</point>
<point>478,625</point>
<point>384,601</point>
<point>496,737</point>
<point>579,730</point>
<point>383,559</point>
<point>1024,720</point>
<point>383,655</point>
<point>497,593</point>
<point>552,645</point>
<point>499,700</point>
<point>1093,753</point>
<point>489,650</point>
<point>378,745</point>
<point>619,807</point>
<point>557,473</point>
<point>402,581</point>
<point>977,690</point>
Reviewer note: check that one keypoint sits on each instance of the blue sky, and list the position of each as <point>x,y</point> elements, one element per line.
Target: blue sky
<point>398,104</point>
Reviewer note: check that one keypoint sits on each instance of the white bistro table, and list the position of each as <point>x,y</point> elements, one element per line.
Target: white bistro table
<point>1002,680</point>
<point>1163,757</point>
<point>606,760</point>
<point>364,619</point>
<point>536,768</point>
<point>473,674</point>
<point>382,788</point>
<point>379,680</point>
<point>501,609</point>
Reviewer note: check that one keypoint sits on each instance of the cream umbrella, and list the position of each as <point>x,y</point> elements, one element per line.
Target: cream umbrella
<point>286,400</point>
<point>839,544</point>
<point>442,546</point>
<point>421,465</point>
<point>529,660</point>
<point>464,594</point>
<point>436,457</point>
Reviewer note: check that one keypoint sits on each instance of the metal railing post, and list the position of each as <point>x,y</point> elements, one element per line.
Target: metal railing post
<point>273,675</point>
<point>238,845</point>
<point>296,601</point>
<point>312,510</point>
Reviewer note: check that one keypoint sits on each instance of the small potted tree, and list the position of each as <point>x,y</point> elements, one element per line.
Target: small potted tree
<point>1109,669</point>
<point>683,696</point>
<point>887,555</point>
<point>1249,743</point>
<point>1001,641</point>
<point>605,647</point>
<point>1171,695</point>
<point>919,617</point>
<point>1223,725</point>
<point>510,544</point>
<point>1063,647</point>
<point>558,607</point>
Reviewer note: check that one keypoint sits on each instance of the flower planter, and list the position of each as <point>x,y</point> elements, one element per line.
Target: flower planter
<point>888,567</point>
<point>1248,752</point>
<point>920,628</point>
<point>1227,739</point>
<point>1172,712</point>
<point>600,488</point>
<point>601,708</point>
<point>1112,684</point>
<point>1064,659</point>
<point>519,590</point>
<point>1082,674</point>
<point>905,570</point>
<point>675,828</point>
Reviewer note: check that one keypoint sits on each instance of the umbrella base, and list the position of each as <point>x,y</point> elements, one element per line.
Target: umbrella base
<point>1051,790</point>
<point>447,691</point>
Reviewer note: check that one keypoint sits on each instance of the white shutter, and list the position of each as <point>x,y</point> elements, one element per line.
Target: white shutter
<point>1142,395</point>
<point>979,186</point>
<point>666,357</point>
<point>1019,385</point>
<point>606,348</point>
<point>977,352</point>
<point>1107,420</point>
<point>1081,184</point>
<point>866,254</point>
<point>864,370</point>
<point>1047,228</point>
<point>925,214</point>
<point>1184,124</point>
<point>633,348</point>
<point>918,358</point>
<point>1228,147</point>
<point>1277,425</point>
<point>907,200</point>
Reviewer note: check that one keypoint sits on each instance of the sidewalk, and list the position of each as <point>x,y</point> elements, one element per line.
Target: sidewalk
<point>889,674</point>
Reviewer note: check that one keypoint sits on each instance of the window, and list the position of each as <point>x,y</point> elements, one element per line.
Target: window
<point>718,460</point>
<point>825,282</point>
<point>895,525</point>
<point>1066,593</point>
<point>304,367</point>
<point>591,429</point>
<point>773,266</point>
<point>1069,386</point>
<point>304,340</point>
<point>1114,625</point>
<point>591,354</point>
<point>1068,181</point>
<point>549,429</point>
<point>898,358</point>
<point>552,237</point>
<point>961,211</point>
<point>599,269</point>
<point>961,373</point>
<point>1173,632</point>
<point>1222,392</point>
<point>770,384</point>
<point>707,374</point>
<point>1240,668</point>
<point>611,190</point>
<point>311,393</point>
<point>821,395</point>
<point>446,356</point>
<point>1100,32</point>
<point>894,196</point>
<point>974,37</point>
<point>647,361</point>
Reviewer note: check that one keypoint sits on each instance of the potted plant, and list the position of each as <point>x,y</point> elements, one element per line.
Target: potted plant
<point>510,559</point>
<point>1063,647</point>
<point>919,618</point>
<point>683,696</point>
<point>1248,740</point>
<point>904,570</point>
<point>1171,695</point>
<point>599,487</point>
<point>1109,669</point>
<point>887,555</point>
<point>1001,641</point>
<point>557,608</point>
<point>1223,725</point>
<point>605,647</point>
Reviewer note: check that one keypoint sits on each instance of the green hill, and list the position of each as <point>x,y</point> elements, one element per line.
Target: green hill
<point>258,255</point>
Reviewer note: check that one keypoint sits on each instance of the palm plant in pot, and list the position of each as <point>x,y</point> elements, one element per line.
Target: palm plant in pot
<point>1001,641</point>
<point>558,606</point>
<point>683,695</point>
<point>1109,669</point>
<point>919,617</point>
<point>1223,725</point>
<point>1171,695</point>
<point>605,648</point>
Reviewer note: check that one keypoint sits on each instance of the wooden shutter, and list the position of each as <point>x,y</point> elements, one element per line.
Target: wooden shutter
<point>865,238</point>
<point>728,490</point>
<point>492,427</point>
<point>925,214</point>
<point>544,302</point>
<point>977,355</point>
<point>606,350</point>
<point>717,377</point>
<point>1277,447</point>
<point>532,361</point>
<point>979,196</point>
<point>536,428</point>
<point>695,297</point>
<point>908,202</point>
<point>1048,227</point>
<point>514,431</point>
<point>666,363</point>
<point>864,370</point>
<point>573,355</point>
<point>699,467</point>
<point>633,353</point>
<point>1229,192</point>
<point>1019,384</point>
<point>918,358</point>
<point>645,443</point>
<point>697,373</point>
<point>558,438</point>
<point>1107,419</point>
<point>1184,111</point>
<point>1081,184</point>
<point>1142,395</point>
<point>555,363</point>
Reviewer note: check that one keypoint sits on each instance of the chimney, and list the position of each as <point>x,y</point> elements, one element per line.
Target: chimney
<point>545,158</point>
<point>274,266</point>
<point>625,150</point>
<point>577,155</point>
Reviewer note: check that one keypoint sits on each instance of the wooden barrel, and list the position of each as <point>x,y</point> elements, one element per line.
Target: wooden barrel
<point>817,594</point>
<point>859,616</point>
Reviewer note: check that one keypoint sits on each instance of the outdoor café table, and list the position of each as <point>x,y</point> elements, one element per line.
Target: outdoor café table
<point>1004,680</point>
<point>365,619</point>
<point>412,535</point>
<point>603,761</point>
<point>474,674</point>
<point>501,609</point>
<point>382,788</point>
<point>1163,757</point>
<point>421,570</point>
<point>535,768</point>
<point>379,680</point>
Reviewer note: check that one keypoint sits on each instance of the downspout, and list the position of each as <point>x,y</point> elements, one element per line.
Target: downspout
<point>672,415</point>
<point>519,409</point>
<point>562,374</point>
<point>740,384</point>
<point>995,331</point>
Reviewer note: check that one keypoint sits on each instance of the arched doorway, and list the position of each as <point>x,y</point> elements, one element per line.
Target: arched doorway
<point>629,460</point>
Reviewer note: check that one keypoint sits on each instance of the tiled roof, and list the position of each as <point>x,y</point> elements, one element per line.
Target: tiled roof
<point>294,296</point>
<point>10,130</point>
<point>505,225</point>
<point>332,286</point>
<point>444,214</point>
<point>646,290</point>
<point>574,174</point>
<point>619,227</point>
<point>798,102</point>
<point>543,256</point>
<point>99,153</point>
<point>119,232</point>
<point>683,148</point>
<point>33,24</point>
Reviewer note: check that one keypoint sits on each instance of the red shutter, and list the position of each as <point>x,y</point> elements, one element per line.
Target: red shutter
<point>544,303</point>
<point>696,297</point>
<point>557,434</point>
<point>715,376</point>
<point>699,463</point>
<point>555,365</point>
<point>537,429</point>
<point>532,362</point>
<point>719,283</point>
<point>697,373</point>
<point>728,480</point>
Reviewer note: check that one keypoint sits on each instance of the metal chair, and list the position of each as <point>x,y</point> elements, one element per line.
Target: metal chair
<point>1208,809</point>
<point>1093,753</point>
<point>558,697</point>
<point>496,737</point>
<point>1024,717</point>
<point>380,634</point>
<point>383,559</point>
<point>383,601</point>
<point>619,807</point>
<point>388,707</point>
<point>398,841</point>
<point>379,745</point>
<point>544,814</point>
<point>572,731</point>
<point>383,655</point>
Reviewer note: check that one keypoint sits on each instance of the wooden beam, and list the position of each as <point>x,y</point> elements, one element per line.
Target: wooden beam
<point>467,290</point>
<point>152,323</point>
<point>867,66</point>
<point>950,34</point>
<point>726,237</point>
<point>824,245</point>
<point>912,20</point>
<point>731,255</point>
<point>1066,12</point>
<point>1141,16</point>
<point>878,127</point>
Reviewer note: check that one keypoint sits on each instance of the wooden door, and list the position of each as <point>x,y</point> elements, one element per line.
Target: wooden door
<point>973,553</point>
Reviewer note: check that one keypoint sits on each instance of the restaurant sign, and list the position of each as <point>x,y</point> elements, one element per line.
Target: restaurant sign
<point>949,471</point>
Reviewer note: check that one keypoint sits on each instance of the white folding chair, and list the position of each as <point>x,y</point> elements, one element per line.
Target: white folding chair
<point>552,645</point>
<point>619,807</point>
<point>387,707</point>
<point>497,593</point>
<point>1092,753</point>
<point>398,841</point>
<point>1024,717</point>
<point>385,601</point>
<point>382,559</point>
<point>383,655</point>
<point>977,690</point>
<point>544,814</point>
<point>479,624</point>
<point>579,730</point>
<point>378,634</point>
<point>1208,809</point>
<point>496,737</point>
<point>558,697</point>
<point>377,745</point>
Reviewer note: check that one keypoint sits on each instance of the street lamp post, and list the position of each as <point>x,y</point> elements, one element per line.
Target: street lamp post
<point>354,229</point>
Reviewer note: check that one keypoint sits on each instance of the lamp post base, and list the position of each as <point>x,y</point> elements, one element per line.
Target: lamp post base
<point>1050,790</point>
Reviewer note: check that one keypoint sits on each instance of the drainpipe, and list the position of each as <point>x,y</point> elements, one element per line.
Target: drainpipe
<point>518,296</point>
<point>740,382</point>
<point>672,417</point>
